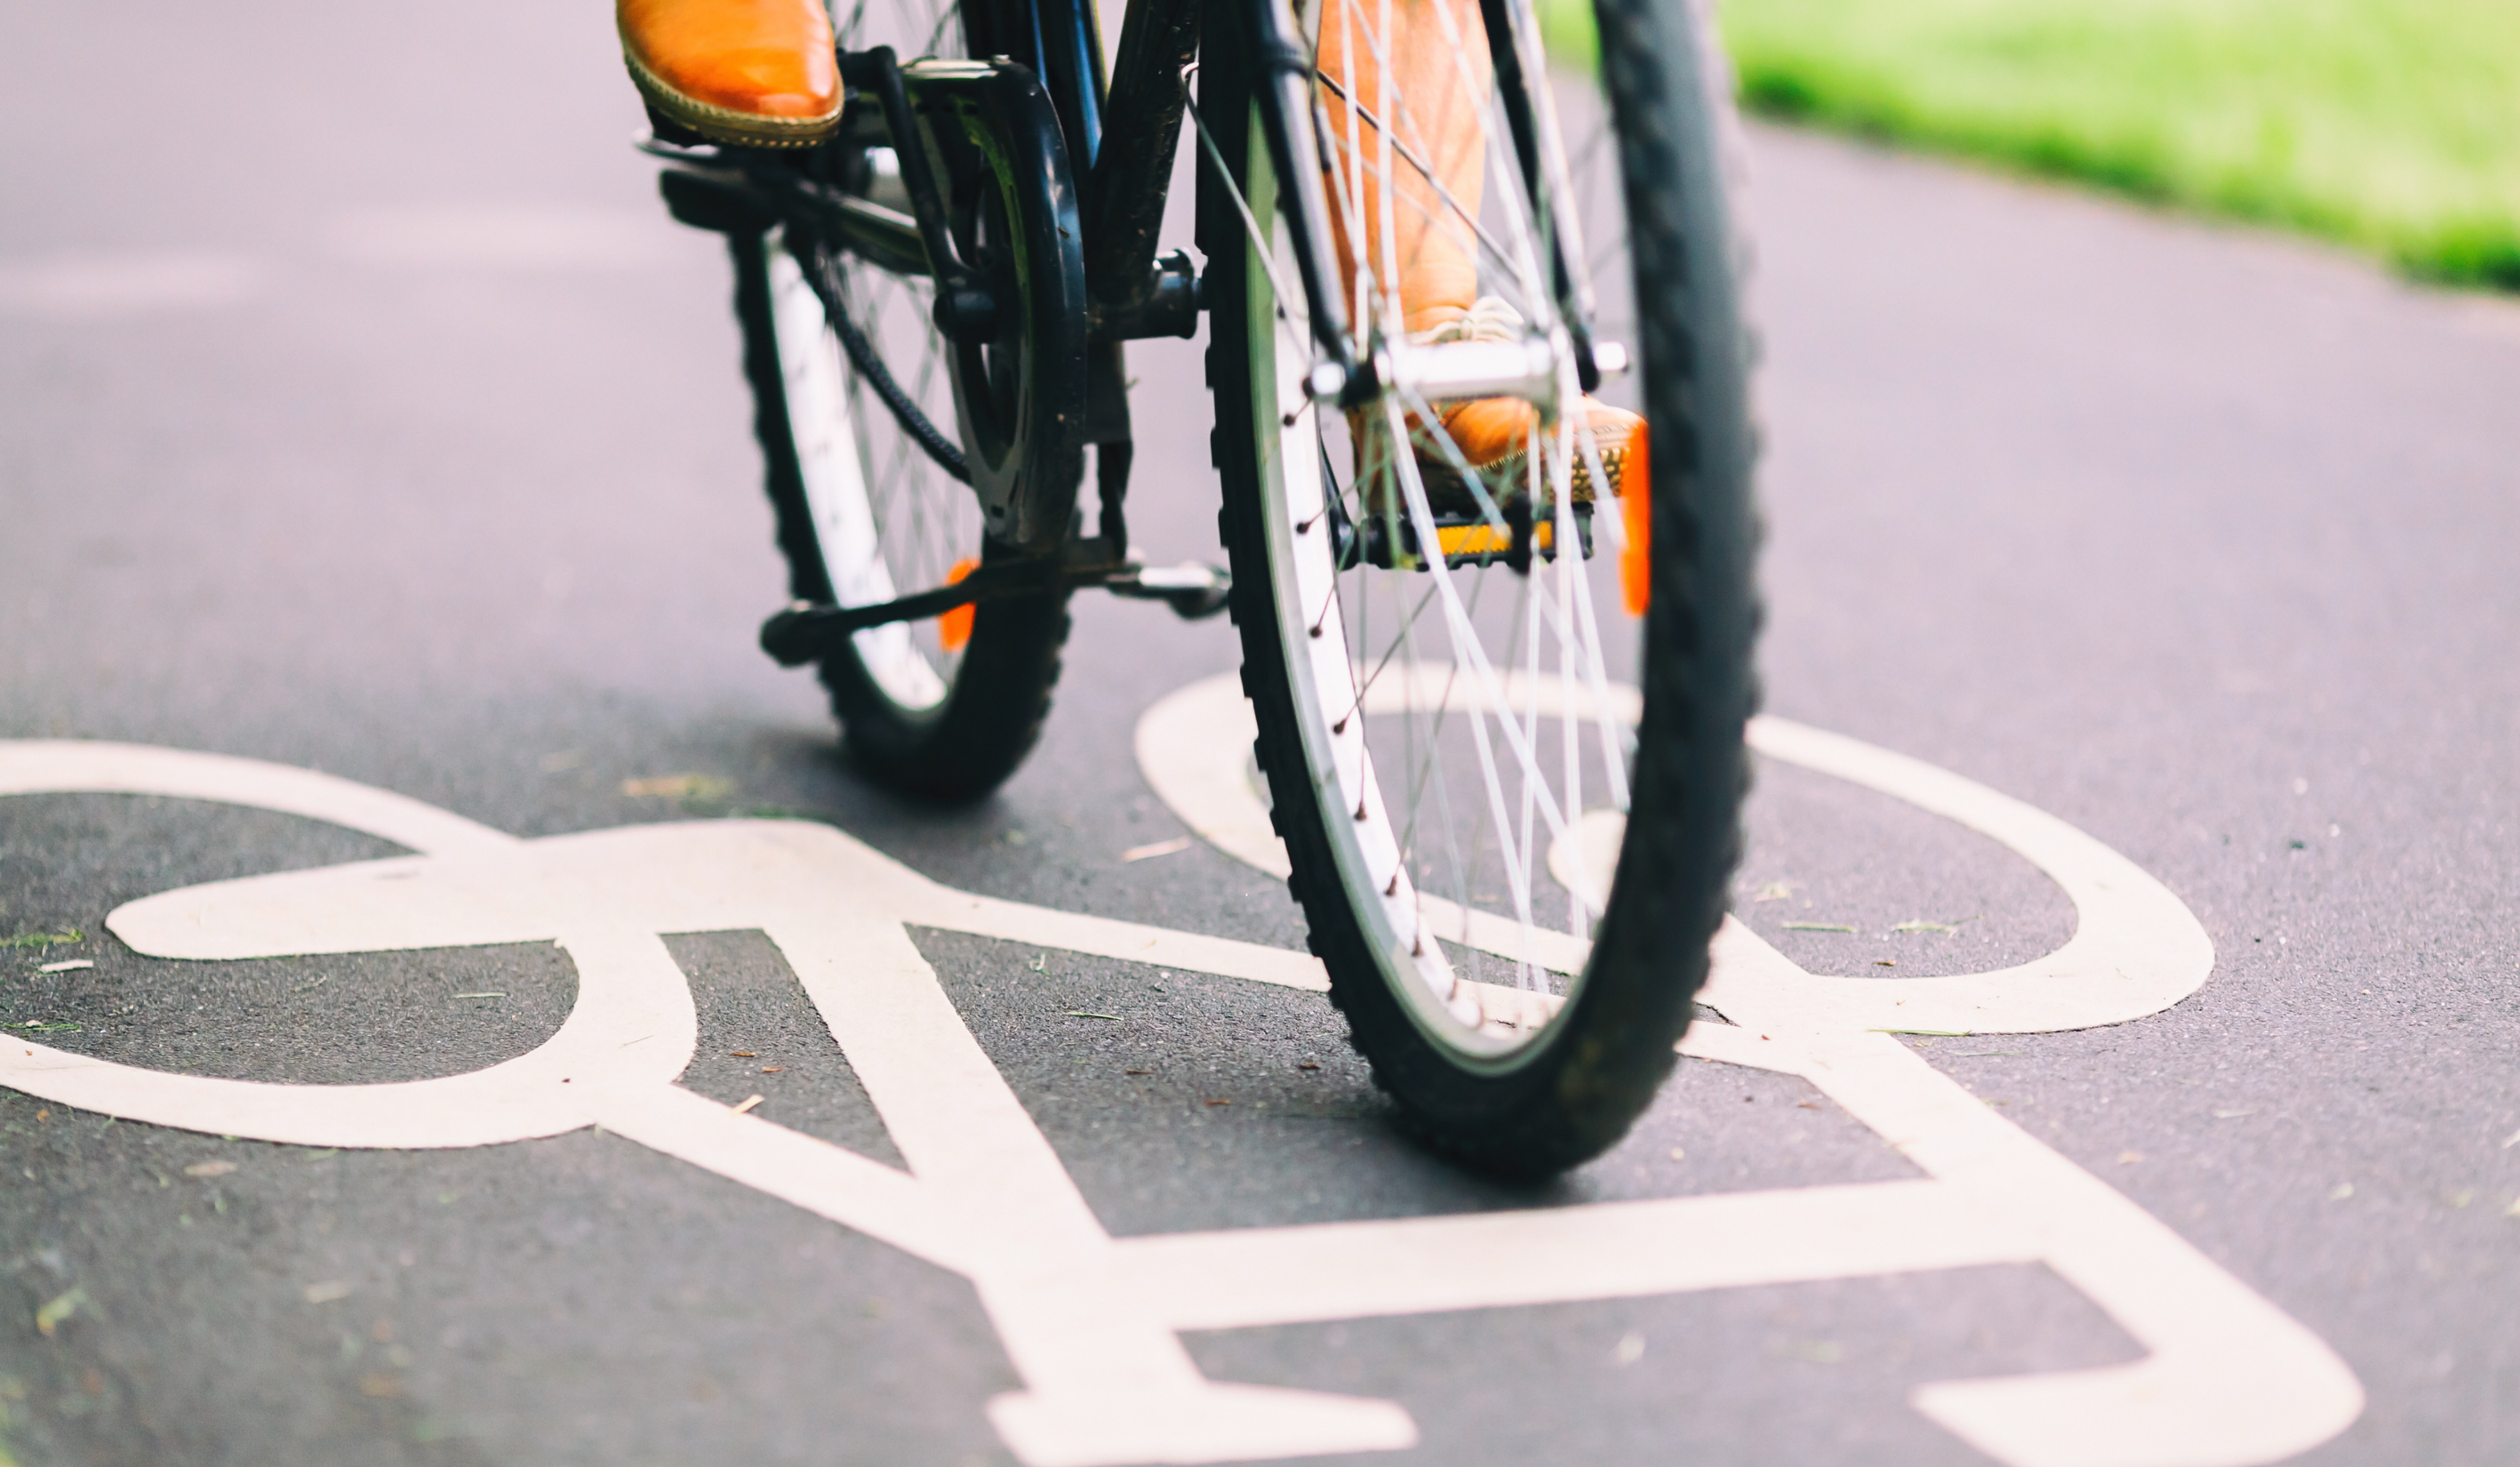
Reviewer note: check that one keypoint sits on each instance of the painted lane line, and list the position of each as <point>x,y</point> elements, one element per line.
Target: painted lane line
<point>2135,949</point>
<point>36,766</point>
<point>883,1204</point>
<point>1343,1270</point>
<point>988,1197</point>
<point>1102,937</point>
<point>2228,1379</point>
<point>1090,1323</point>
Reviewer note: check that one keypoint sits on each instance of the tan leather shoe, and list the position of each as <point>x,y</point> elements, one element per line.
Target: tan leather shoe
<point>758,73</point>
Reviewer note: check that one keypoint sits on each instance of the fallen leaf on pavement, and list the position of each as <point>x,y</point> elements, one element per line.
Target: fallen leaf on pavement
<point>49,1318</point>
<point>72,966</point>
<point>1153,848</point>
<point>2129,1158</point>
<point>326,1292</point>
<point>210,1169</point>
<point>1089,1014</point>
<point>44,938</point>
<point>1818,926</point>
<point>749,1104</point>
<point>679,787</point>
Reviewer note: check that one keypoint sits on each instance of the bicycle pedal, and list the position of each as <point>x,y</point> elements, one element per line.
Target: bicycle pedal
<point>721,204</point>
<point>1193,591</point>
<point>1468,541</point>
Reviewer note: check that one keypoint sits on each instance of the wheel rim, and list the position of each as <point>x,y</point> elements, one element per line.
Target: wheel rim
<point>886,520</point>
<point>1467,735</point>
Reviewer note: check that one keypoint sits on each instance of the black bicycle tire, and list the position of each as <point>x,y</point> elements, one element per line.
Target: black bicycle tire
<point>1598,1066</point>
<point>1000,694</point>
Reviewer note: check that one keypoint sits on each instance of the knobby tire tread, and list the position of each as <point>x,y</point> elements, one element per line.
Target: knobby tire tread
<point>1603,1060</point>
<point>1001,695</point>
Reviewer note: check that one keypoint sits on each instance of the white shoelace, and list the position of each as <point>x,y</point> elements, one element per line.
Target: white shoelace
<point>1489,319</point>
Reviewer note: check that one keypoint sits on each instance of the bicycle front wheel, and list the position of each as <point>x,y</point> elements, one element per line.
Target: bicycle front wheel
<point>1509,807</point>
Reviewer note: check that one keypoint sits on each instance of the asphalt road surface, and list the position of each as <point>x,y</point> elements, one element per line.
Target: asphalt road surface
<point>361,411</point>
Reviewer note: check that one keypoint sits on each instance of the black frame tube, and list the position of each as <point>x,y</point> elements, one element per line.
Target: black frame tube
<point>1286,94</point>
<point>1129,185</point>
<point>1505,56</point>
<point>876,71</point>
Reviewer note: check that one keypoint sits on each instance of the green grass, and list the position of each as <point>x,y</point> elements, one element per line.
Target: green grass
<point>2389,125</point>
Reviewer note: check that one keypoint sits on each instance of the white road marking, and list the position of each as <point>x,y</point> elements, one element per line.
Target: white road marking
<point>2230,1379</point>
<point>110,285</point>
<point>1582,858</point>
<point>500,237</point>
<point>1090,1323</point>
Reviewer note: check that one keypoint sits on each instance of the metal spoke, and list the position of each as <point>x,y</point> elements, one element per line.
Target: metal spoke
<point>1512,669</point>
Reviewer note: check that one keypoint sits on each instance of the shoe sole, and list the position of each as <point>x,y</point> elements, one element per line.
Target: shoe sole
<point>1445,491</point>
<point>724,124</point>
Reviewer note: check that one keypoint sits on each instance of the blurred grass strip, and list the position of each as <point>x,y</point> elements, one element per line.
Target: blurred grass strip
<point>2389,125</point>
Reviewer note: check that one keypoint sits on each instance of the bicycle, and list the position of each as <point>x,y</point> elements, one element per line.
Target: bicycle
<point>934,307</point>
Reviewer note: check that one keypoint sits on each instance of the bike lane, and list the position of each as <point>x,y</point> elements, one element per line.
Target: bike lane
<point>1090,1324</point>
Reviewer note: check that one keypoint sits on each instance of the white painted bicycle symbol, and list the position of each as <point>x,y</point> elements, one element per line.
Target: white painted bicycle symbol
<point>1092,1323</point>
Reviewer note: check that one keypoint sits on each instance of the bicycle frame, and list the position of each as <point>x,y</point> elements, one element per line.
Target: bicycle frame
<point>1106,149</point>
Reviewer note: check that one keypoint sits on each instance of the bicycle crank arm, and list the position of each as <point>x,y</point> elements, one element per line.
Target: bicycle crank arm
<point>808,632</point>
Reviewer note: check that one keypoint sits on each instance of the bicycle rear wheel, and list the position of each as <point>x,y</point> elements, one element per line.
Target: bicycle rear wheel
<point>946,708</point>
<point>1510,809</point>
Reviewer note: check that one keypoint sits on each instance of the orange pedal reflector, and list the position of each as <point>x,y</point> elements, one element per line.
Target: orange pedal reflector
<point>1635,507</point>
<point>954,629</point>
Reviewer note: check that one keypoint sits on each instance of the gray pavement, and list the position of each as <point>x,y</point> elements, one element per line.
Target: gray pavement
<point>363,412</point>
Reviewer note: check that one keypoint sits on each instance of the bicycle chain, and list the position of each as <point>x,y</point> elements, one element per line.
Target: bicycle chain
<point>942,450</point>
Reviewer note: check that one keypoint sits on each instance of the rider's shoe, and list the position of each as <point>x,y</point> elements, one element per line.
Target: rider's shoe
<point>1494,435</point>
<point>1437,197</point>
<point>758,73</point>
